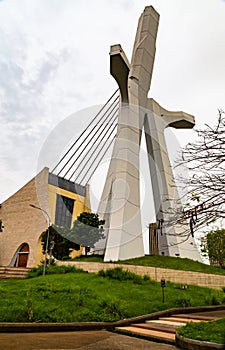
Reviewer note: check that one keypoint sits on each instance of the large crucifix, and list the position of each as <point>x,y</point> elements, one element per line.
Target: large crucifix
<point>120,202</point>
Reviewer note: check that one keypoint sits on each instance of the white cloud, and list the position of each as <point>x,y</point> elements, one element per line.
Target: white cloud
<point>54,61</point>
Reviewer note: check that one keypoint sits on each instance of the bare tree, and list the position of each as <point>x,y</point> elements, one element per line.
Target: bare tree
<point>205,187</point>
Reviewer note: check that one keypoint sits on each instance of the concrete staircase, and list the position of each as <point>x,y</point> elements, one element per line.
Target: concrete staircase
<point>13,272</point>
<point>162,329</point>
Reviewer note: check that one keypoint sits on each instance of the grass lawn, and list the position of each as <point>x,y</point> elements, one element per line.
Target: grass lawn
<point>207,331</point>
<point>164,262</point>
<point>107,296</point>
<point>89,258</point>
<point>175,263</point>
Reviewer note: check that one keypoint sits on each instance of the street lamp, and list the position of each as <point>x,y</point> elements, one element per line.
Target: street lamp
<point>163,285</point>
<point>46,247</point>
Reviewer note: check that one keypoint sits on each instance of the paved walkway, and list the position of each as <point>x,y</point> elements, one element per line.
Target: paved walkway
<point>89,340</point>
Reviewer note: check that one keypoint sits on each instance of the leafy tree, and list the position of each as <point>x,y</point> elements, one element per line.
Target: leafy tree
<point>214,247</point>
<point>87,230</point>
<point>58,245</point>
<point>205,187</point>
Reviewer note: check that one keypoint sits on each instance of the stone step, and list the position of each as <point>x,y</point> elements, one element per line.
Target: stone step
<point>8,268</point>
<point>6,276</point>
<point>167,323</point>
<point>180,320</point>
<point>197,317</point>
<point>156,326</point>
<point>164,328</point>
<point>13,272</point>
<point>148,333</point>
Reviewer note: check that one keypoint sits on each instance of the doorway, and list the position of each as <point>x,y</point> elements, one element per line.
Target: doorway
<point>22,256</point>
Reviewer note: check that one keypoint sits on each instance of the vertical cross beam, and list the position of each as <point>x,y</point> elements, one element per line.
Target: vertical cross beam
<point>120,202</point>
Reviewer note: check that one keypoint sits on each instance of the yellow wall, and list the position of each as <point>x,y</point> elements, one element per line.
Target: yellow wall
<point>39,255</point>
<point>80,205</point>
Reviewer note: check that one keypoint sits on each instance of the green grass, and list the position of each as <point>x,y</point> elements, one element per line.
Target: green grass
<point>89,258</point>
<point>162,261</point>
<point>206,331</point>
<point>174,263</point>
<point>53,270</point>
<point>109,296</point>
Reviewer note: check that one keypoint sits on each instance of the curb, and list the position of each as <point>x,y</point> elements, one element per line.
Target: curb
<point>8,327</point>
<point>192,344</point>
<point>168,312</point>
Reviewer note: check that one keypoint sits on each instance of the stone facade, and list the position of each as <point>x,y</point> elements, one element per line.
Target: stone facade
<point>20,240</point>
<point>23,224</point>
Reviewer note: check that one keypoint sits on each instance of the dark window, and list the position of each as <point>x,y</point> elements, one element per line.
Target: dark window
<point>64,211</point>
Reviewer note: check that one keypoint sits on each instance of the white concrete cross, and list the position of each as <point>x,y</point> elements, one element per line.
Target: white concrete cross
<point>120,202</point>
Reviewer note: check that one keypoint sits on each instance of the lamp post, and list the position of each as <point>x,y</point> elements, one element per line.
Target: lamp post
<point>163,285</point>
<point>46,247</point>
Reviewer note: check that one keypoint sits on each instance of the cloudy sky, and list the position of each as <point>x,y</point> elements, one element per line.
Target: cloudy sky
<point>54,61</point>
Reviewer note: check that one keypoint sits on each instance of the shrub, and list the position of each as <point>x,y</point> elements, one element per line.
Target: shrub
<point>63,269</point>
<point>53,269</point>
<point>121,275</point>
<point>214,300</point>
<point>35,272</point>
<point>146,278</point>
<point>113,309</point>
<point>183,302</point>
<point>66,258</point>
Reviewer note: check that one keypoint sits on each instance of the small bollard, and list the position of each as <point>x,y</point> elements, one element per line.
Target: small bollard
<point>163,285</point>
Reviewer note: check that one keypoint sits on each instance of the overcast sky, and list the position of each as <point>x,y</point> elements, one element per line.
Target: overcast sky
<point>54,61</point>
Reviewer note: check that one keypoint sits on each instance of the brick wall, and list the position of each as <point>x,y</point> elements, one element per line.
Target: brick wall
<point>156,273</point>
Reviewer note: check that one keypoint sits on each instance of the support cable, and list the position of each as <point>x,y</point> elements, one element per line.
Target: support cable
<point>93,145</point>
<point>95,148</point>
<point>85,130</point>
<point>89,144</point>
<point>100,158</point>
<point>86,138</point>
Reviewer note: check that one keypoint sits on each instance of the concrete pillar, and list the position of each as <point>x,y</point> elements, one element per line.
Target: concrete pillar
<point>120,202</point>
